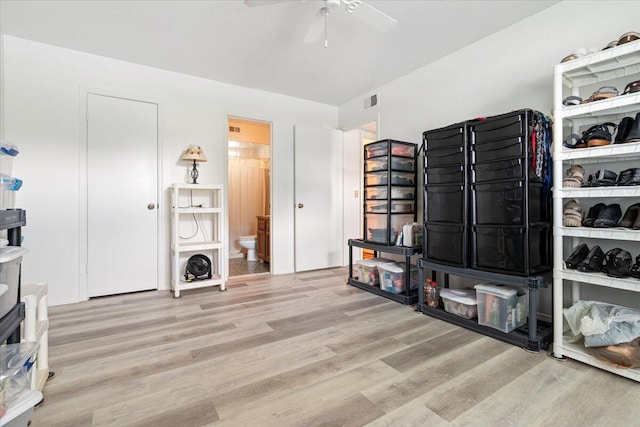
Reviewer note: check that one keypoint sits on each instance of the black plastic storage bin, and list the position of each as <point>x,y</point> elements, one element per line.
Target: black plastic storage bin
<point>508,203</point>
<point>450,136</point>
<point>500,127</point>
<point>445,175</point>
<point>522,251</point>
<point>446,244</point>
<point>445,203</point>
<point>498,149</point>
<point>445,157</point>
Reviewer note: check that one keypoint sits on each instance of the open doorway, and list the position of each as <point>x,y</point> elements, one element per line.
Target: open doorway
<point>368,133</point>
<point>249,197</point>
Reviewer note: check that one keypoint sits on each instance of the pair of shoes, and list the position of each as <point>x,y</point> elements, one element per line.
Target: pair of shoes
<point>575,176</point>
<point>617,263</point>
<point>577,256</point>
<point>629,129</point>
<point>602,178</point>
<point>625,38</point>
<point>603,216</point>
<point>592,261</point>
<point>629,176</point>
<point>605,92</point>
<point>631,219</point>
<point>596,135</point>
<point>572,214</point>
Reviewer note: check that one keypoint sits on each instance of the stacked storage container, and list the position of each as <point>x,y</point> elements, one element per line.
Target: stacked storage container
<point>389,189</point>
<point>446,195</point>
<point>510,214</point>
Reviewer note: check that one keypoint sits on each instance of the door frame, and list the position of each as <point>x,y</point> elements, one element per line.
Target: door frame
<point>272,226</point>
<point>83,223</point>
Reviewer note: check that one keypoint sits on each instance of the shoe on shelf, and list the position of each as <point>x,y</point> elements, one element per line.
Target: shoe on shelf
<point>629,176</point>
<point>575,176</point>
<point>598,135</point>
<point>602,178</point>
<point>623,130</point>
<point>630,216</point>
<point>628,37</point>
<point>577,256</point>
<point>635,269</point>
<point>605,92</point>
<point>592,215</point>
<point>593,262</point>
<point>634,132</point>
<point>617,263</point>
<point>632,87</point>
<point>608,216</point>
<point>572,214</point>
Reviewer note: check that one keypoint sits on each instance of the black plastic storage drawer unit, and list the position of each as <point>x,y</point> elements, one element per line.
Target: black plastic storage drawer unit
<point>523,251</point>
<point>508,203</point>
<point>389,189</point>
<point>446,197</point>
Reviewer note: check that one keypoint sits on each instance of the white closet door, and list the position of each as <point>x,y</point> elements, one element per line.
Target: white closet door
<point>122,215</point>
<point>318,198</point>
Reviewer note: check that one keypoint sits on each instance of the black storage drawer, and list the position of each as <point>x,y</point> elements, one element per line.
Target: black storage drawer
<point>445,203</point>
<point>502,170</point>
<point>504,203</point>
<point>444,157</point>
<point>499,127</point>
<point>450,136</point>
<point>445,175</point>
<point>523,251</point>
<point>500,149</point>
<point>446,244</point>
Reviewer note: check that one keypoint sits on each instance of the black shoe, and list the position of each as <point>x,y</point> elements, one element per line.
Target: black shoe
<point>579,254</point>
<point>629,177</point>
<point>623,130</point>
<point>617,263</point>
<point>634,132</point>
<point>592,215</point>
<point>608,216</point>
<point>635,270</point>
<point>593,262</point>
<point>602,178</point>
<point>630,216</point>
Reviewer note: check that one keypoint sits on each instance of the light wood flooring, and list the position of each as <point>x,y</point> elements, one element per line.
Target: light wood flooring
<point>305,350</point>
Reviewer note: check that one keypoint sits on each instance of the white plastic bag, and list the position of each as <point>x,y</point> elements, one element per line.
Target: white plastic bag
<point>602,324</point>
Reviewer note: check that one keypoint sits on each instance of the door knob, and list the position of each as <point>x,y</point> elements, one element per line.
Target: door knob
<point>151,206</point>
<point>300,205</point>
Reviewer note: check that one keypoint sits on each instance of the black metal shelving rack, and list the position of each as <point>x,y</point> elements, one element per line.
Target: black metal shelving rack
<point>534,336</point>
<point>407,296</point>
<point>12,220</point>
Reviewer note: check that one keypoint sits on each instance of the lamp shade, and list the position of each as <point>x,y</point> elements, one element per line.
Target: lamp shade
<point>195,153</point>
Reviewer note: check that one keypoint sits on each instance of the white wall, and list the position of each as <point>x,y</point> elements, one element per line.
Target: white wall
<point>506,71</point>
<point>41,114</point>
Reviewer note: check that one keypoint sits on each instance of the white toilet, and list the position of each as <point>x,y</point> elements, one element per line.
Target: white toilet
<point>249,242</point>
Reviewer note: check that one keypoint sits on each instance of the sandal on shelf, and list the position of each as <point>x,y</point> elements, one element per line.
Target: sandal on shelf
<point>571,100</point>
<point>628,37</point>
<point>572,214</point>
<point>574,141</point>
<point>610,45</point>
<point>575,176</point>
<point>605,92</point>
<point>602,178</point>
<point>579,53</point>
<point>598,135</point>
<point>632,87</point>
<point>628,177</point>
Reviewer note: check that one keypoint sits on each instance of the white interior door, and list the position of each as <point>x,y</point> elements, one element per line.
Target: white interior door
<point>318,198</point>
<point>122,219</point>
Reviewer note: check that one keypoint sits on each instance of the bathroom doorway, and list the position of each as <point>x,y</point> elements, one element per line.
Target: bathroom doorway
<point>249,196</point>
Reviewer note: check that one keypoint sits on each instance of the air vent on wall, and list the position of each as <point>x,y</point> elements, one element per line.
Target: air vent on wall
<point>234,129</point>
<point>371,101</point>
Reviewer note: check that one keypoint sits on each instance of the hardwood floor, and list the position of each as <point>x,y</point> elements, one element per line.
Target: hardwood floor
<point>305,350</point>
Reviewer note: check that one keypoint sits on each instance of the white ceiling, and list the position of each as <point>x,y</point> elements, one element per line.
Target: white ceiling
<point>262,47</point>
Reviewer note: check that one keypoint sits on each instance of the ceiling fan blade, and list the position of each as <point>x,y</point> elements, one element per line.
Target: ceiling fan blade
<point>315,30</point>
<point>254,3</point>
<point>370,15</point>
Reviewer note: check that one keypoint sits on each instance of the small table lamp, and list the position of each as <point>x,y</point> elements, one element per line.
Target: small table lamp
<point>195,153</point>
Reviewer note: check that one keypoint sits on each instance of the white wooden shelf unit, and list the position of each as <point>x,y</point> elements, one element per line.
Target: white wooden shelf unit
<point>196,228</point>
<point>616,66</point>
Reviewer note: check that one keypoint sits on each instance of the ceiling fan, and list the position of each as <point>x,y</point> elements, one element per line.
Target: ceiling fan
<point>358,8</point>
